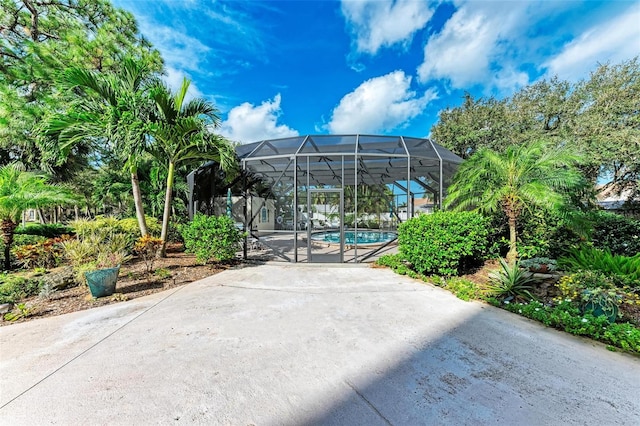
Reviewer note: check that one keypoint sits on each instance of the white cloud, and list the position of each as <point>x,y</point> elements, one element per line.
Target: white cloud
<point>615,41</point>
<point>179,50</point>
<point>470,43</point>
<point>383,23</point>
<point>249,123</point>
<point>174,77</point>
<point>509,80</point>
<point>379,104</point>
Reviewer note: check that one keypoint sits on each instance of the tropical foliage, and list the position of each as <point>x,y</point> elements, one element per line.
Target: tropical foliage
<point>625,269</point>
<point>510,282</point>
<point>523,177</point>
<point>20,190</point>
<point>181,135</point>
<point>38,40</point>
<point>75,79</point>
<point>111,111</point>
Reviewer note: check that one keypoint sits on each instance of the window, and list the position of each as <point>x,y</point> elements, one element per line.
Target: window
<point>264,215</point>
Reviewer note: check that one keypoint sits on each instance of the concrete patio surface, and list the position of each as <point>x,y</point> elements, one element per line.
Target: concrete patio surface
<point>308,344</point>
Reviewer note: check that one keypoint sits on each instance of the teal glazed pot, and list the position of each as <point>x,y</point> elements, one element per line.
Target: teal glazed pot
<point>102,282</point>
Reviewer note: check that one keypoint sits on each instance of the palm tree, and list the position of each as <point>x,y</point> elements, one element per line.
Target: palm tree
<point>20,190</point>
<point>181,136</point>
<point>522,177</point>
<point>112,106</point>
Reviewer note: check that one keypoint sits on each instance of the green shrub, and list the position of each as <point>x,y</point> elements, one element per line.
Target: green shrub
<point>462,288</point>
<point>26,239</point>
<point>211,238</point>
<point>540,234</point>
<point>48,230</point>
<point>625,270</point>
<point>130,226</point>
<point>567,317</point>
<point>390,260</point>
<point>16,287</point>
<point>443,243</point>
<point>618,234</point>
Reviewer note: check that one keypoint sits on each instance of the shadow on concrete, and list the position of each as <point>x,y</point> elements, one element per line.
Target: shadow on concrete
<point>474,374</point>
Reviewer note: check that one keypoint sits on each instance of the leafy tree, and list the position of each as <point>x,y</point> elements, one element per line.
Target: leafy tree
<point>181,136</point>
<point>599,117</point>
<point>476,124</point>
<point>40,38</point>
<point>608,125</point>
<point>20,190</point>
<point>522,177</point>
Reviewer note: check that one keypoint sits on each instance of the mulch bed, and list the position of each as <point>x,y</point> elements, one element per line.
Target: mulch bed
<point>177,269</point>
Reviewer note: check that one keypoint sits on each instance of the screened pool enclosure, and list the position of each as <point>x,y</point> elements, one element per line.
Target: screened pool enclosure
<point>327,198</point>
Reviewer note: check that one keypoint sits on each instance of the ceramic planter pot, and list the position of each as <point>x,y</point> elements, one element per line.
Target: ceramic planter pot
<point>541,269</point>
<point>102,282</point>
<point>599,305</point>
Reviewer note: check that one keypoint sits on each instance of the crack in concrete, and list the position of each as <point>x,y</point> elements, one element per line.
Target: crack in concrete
<point>382,417</point>
<point>90,347</point>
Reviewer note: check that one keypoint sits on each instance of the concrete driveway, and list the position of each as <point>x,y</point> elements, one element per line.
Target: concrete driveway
<point>315,344</point>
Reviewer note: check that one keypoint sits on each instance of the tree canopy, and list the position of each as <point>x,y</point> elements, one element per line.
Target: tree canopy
<point>598,117</point>
<point>75,77</point>
<point>40,40</point>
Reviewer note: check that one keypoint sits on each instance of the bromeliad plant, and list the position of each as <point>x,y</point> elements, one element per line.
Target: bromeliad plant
<point>510,283</point>
<point>147,247</point>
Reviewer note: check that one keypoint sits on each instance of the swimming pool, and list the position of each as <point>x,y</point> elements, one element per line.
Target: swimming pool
<point>362,238</point>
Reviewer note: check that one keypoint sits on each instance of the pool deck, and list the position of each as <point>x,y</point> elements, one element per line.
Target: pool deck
<point>279,247</point>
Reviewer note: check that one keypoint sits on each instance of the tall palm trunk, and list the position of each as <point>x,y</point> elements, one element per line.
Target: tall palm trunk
<point>137,201</point>
<point>7,227</point>
<point>512,209</point>
<point>167,210</point>
<point>512,255</point>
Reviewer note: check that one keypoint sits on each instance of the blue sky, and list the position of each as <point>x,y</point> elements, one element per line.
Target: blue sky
<point>283,68</point>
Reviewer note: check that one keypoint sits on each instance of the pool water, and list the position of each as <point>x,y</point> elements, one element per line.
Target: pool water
<point>351,237</point>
